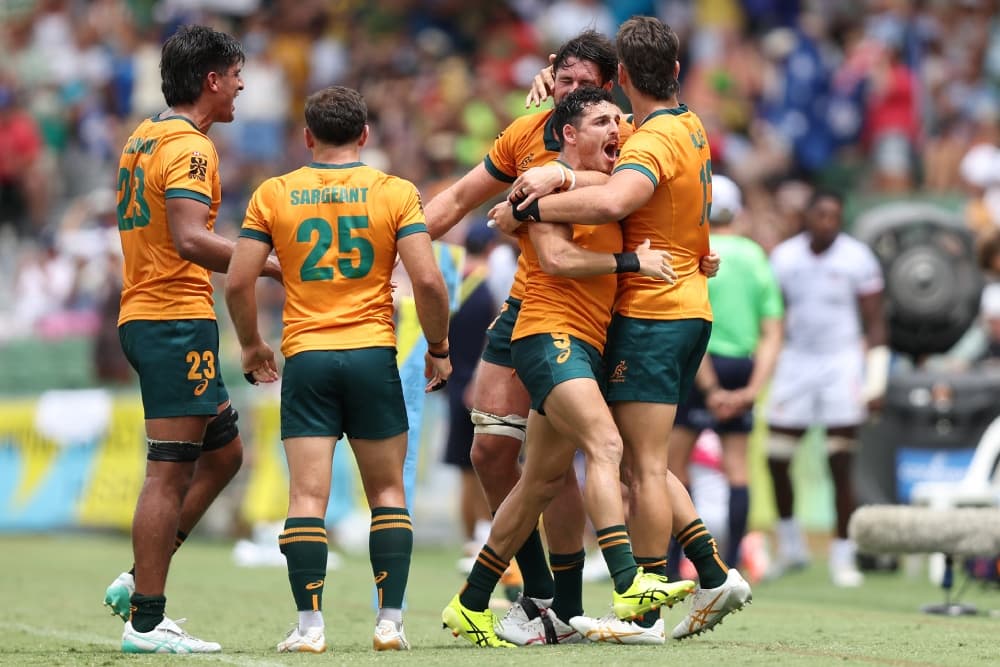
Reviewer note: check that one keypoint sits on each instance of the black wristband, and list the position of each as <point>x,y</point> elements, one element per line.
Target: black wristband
<point>529,214</point>
<point>438,355</point>
<point>626,262</point>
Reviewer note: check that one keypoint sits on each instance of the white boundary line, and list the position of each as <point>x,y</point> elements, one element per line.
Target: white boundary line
<point>100,640</point>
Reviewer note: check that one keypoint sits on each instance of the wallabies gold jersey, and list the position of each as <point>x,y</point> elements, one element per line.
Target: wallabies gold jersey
<point>529,141</point>
<point>580,307</point>
<point>670,149</point>
<point>164,159</point>
<point>334,228</point>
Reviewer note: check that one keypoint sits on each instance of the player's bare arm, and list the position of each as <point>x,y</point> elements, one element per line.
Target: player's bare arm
<point>624,192</point>
<point>559,256</point>
<point>540,181</point>
<point>430,296</point>
<point>249,258</point>
<point>188,220</point>
<point>446,209</point>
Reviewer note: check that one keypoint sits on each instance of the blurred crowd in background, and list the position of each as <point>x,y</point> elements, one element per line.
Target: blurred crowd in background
<point>875,98</point>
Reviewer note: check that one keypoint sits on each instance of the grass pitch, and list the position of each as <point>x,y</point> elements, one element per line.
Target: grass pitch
<point>52,587</point>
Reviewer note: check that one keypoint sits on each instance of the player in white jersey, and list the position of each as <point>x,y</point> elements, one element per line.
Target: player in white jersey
<point>832,285</point>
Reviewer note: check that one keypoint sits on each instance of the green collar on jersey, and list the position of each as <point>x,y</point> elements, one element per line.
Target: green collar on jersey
<point>672,111</point>
<point>156,118</point>
<point>328,165</point>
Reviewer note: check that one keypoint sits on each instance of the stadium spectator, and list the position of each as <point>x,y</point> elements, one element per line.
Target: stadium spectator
<point>339,344</point>
<point>832,285</point>
<point>24,188</point>
<point>44,284</point>
<point>168,197</point>
<point>742,351</point>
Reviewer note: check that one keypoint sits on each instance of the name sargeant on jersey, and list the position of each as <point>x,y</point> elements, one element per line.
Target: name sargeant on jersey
<point>332,195</point>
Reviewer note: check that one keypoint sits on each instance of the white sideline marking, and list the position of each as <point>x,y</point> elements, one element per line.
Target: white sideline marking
<point>87,638</point>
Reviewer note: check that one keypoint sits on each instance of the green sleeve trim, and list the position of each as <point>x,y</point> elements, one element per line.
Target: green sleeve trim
<point>256,235</point>
<point>412,228</point>
<point>495,172</point>
<point>639,168</point>
<point>181,193</point>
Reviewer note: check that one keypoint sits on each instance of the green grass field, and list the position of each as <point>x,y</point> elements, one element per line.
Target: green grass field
<point>53,585</point>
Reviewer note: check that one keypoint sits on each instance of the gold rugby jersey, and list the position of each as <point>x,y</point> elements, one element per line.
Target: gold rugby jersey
<point>671,150</point>
<point>164,159</point>
<point>334,228</point>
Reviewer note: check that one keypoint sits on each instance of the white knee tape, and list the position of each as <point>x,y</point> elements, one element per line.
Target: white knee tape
<point>838,443</point>
<point>511,426</point>
<point>781,446</point>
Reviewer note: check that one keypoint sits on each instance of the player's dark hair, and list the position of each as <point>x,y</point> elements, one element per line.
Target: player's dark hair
<point>336,115</point>
<point>648,49</point>
<point>189,55</point>
<point>825,193</point>
<point>593,46</point>
<point>571,108</point>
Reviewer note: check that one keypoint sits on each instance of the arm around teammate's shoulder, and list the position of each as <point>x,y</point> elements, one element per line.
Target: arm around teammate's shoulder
<point>625,191</point>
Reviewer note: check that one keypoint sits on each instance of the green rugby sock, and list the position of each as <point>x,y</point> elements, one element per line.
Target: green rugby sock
<point>567,575</point>
<point>483,579</point>
<point>147,611</point>
<point>305,547</point>
<point>534,571</point>
<point>390,547</point>
<point>617,550</point>
<point>701,549</point>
